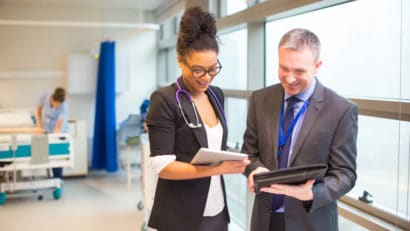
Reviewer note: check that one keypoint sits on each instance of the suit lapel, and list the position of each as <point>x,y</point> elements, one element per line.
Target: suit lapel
<point>274,113</point>
<point>311,116</point>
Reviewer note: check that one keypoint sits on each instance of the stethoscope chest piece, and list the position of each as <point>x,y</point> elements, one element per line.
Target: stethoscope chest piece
<point>189,124</point>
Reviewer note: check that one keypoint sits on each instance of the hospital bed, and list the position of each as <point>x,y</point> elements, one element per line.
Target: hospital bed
<point>22,150</point>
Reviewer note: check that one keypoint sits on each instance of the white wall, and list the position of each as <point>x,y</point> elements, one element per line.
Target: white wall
<point>142,52</point>
<point>24,48</point>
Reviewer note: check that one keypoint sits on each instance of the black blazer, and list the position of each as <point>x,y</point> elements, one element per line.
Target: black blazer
<point>179,204</point>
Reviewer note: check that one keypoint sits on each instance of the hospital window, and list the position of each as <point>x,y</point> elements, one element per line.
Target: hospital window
<point>233,57</point>
<point>168,69</point>
<point>229,7</point>
<point>172,65</point>
<point>383,163</point>
<point>236,187</point>
<point>162,70</point>
<point>365,55</point>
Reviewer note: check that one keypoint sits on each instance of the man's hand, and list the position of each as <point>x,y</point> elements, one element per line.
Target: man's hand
<point>301,192</point>
<point>250,177</point>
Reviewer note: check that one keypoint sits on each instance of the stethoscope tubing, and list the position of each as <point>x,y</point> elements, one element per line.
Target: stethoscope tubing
<point>182,91</point>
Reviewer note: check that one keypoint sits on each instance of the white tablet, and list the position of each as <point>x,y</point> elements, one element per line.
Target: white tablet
<point>208,156</point>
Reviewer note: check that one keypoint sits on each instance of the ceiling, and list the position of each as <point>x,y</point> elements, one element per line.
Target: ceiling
<point>147,5</point>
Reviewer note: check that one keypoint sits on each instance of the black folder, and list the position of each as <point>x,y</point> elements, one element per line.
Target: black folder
<point>291,175</point>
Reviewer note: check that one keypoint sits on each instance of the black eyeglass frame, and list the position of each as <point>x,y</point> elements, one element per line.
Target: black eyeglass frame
<point>219,67</point>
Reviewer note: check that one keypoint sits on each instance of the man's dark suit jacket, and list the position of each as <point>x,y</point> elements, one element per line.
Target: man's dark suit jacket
<point>179,204</point>
<point>328,135</point>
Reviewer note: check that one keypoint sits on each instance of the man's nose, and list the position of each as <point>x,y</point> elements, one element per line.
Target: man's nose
<point>290,77</point>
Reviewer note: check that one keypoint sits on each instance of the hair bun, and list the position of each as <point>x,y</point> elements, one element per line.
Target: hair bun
<point>196,23</point>
<point>197,32</point>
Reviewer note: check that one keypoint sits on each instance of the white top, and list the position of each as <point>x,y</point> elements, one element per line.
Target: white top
<point>215,200</point>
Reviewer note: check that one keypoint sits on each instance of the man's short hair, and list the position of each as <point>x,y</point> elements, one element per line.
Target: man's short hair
<point>299,39</point>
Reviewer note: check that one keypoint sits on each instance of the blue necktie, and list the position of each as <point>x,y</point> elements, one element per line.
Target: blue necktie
<point>277,200</point>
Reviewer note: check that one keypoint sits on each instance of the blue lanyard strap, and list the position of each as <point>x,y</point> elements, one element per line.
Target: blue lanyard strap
<point>283,139</point>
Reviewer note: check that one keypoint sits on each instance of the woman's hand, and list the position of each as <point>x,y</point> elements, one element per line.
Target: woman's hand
<point>233,166</point>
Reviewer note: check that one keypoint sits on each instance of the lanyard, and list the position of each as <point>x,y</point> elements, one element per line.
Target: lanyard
<point>284,138</point>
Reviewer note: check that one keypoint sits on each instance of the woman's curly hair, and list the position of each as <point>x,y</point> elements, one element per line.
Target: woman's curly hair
<point>197,32</point>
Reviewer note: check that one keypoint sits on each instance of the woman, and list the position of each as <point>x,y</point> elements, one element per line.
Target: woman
<point>182,118</point>
<point>52,116</point>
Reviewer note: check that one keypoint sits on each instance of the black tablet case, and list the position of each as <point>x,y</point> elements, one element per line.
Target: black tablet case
<point>291,175</point>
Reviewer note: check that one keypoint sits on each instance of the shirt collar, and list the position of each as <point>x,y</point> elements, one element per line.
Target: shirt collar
<point>306,94</point>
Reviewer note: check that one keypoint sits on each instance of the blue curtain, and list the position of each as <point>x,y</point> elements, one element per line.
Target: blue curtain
<point>105,142</point>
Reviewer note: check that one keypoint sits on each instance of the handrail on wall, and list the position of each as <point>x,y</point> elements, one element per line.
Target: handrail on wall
<point>386,216</point>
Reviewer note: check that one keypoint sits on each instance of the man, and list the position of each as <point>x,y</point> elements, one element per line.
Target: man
<point>324,131</point>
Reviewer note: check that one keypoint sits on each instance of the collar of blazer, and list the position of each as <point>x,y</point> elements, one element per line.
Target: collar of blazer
<point>200,133</point>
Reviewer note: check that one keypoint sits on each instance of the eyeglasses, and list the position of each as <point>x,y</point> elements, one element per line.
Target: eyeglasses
<point>198,72</point>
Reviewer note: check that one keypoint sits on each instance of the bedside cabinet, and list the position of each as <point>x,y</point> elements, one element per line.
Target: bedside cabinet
<point>78,130</point>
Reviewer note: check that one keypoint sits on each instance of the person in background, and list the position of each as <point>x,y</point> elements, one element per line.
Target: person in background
<point>182,118</point>
<point>295,123</point>
<point>143,111</point>
<point>51,116</point>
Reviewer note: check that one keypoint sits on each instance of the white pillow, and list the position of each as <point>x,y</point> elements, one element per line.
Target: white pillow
<point>15,118</point>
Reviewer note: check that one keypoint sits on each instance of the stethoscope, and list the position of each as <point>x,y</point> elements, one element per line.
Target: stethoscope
<point>182,91</point>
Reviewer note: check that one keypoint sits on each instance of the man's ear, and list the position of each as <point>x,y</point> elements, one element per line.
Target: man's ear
<point>318,64</point>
